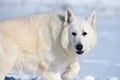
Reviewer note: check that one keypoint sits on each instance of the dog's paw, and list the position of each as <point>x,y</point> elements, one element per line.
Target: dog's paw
<point>66,76</point>
<point>72,71</point>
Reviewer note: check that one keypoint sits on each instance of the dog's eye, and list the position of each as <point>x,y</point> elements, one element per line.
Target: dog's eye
<point>74,33</point>
<point>84,33</point>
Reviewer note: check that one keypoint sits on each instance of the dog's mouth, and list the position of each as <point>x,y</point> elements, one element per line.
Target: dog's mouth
<point>80,52</point>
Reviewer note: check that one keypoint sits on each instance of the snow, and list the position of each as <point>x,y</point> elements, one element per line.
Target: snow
<point>89,78</point>
<point>22,7</point>
<point>103,62</point>
<point>114,78</point>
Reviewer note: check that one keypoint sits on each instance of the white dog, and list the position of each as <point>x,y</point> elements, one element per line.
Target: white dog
<point>46,44</point>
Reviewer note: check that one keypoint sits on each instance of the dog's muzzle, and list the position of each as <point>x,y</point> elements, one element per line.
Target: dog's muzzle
<point>80,52</point>
<point>79,48</point>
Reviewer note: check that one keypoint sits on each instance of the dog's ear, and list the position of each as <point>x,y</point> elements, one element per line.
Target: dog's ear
<point>92,19</point>
<point>68,16</point>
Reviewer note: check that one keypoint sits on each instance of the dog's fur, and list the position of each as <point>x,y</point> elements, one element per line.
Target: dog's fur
<point>44,44</point>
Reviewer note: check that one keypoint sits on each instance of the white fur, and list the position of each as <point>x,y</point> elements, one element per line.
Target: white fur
<point>44,44</point>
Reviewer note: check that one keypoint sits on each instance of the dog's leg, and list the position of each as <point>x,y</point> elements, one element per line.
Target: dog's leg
<point>49,75</point>
<point>8,56</point>
<point>72,71</point>
<point>6,63</point>
<point>2,76</point>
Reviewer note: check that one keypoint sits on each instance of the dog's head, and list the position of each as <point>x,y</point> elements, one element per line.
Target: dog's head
<point>79,35</point>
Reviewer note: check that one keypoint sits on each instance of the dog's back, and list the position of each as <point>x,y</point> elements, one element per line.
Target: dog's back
<point>21,36</point>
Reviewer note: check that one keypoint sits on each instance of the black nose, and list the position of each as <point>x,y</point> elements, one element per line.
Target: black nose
<point>79,46</point>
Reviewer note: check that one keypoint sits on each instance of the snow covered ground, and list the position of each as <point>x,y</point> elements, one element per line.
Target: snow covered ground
<point>103,62</point>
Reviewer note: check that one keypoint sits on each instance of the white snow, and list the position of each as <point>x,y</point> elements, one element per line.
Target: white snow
<point>89,78</point>
<point>114,78</point>
<point>22,7</point>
